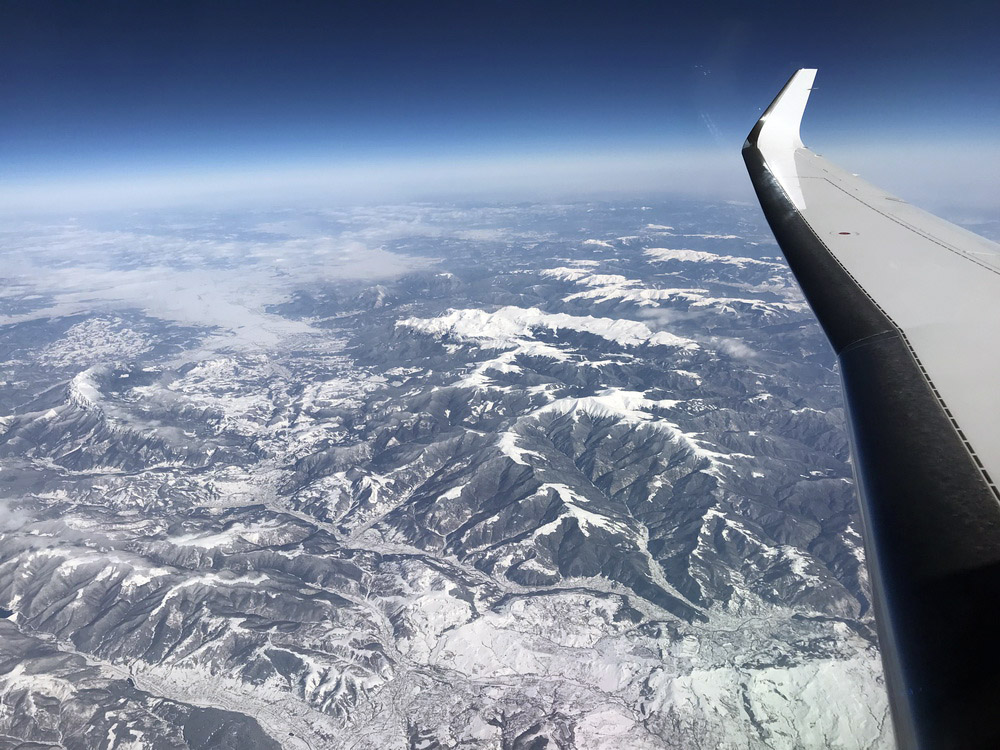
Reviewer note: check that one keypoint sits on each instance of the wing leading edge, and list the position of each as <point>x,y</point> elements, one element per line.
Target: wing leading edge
<point>911,305</point>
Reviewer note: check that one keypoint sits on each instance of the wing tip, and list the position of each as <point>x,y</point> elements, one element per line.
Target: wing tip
<point>781,120</point>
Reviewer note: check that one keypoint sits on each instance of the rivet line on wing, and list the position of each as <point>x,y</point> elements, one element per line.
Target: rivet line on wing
<point>913,229</point>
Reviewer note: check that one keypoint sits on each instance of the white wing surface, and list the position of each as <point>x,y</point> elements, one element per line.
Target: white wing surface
<point>911,304</point>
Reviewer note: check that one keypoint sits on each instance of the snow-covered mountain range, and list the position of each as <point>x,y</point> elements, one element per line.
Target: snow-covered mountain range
<point>431,476</point>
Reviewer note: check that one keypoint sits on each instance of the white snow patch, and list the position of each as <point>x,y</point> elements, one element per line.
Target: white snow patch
<point>511,327</point>
<point>565,274</point>
<point>688,374</point>
<point>36,683</point>
<point>84,391</point>
<point>793,704</point>
<point>585,520</point>
<point>630,407</point>
<point>663,254</point>
<point>256,534</point>
<point>509,447</point>
<point>94,341</point>
<point>611,287</point>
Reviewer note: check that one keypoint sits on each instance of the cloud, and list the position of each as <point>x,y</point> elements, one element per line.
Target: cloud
<point>11,519</point>
<point>734,348</point>
<point>188,274</point>
<point>659,318</point>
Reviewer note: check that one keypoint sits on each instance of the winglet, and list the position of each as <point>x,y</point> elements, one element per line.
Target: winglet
<point>778,127</point>
<point>775,138</point>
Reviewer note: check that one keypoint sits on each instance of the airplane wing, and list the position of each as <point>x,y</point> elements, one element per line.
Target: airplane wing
<point>911,304</point>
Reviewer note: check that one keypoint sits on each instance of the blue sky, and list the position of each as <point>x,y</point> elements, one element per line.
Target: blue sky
<point>181,94</point>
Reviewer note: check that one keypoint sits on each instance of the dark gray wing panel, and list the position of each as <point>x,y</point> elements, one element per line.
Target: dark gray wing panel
<point>930,507</point>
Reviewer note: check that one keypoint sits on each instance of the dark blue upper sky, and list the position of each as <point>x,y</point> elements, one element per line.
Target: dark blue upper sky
<point>112,87</point>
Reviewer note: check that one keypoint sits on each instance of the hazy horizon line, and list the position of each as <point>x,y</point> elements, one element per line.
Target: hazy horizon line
<point>931,173</point>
